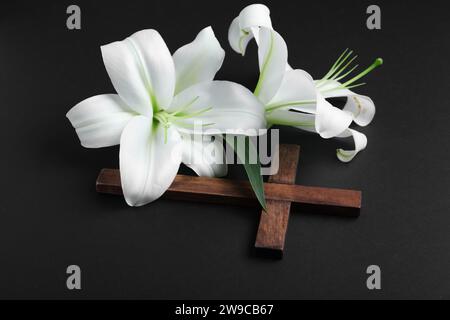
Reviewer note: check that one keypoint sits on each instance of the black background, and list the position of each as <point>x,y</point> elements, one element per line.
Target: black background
<point>51,216</point>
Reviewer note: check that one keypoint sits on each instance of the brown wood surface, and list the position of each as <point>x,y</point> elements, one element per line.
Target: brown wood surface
<point>273,223</point>
<point>225,191</point>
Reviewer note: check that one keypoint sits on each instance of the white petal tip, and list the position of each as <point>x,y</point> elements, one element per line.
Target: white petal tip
<point>325,135</point>
<point>91,146</point>
<point>344,156</point>
<point>135,204</point>
<point>256,8</point>
<point>207,29</point>
<point>84,145</point>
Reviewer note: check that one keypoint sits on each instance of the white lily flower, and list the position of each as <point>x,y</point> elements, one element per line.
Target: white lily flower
<point>160,100</point>
<point>292,97</point>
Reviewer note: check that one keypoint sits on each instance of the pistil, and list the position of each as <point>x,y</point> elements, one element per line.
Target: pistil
<point>339,71</point>
<point>378,62</point>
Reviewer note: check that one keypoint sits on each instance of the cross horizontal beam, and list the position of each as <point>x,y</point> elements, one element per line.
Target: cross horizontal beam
<point>225,191</point>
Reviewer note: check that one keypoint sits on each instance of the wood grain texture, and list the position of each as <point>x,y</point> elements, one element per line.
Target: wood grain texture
<point>236,192</point>
<point>271,235</point>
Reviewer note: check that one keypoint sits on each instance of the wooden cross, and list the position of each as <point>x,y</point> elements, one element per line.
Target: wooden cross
<point>281,193</point>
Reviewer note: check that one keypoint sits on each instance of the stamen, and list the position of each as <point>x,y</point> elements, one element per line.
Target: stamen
<point>342,87</point>
<point>356,85</point>
<point>334,67</point>
<point>191,125</point>
<point>165,118</point>
<point>338,66</point>
<point>186,107</point>
<point>164,121</point>
<point>191,115</point>
<point>344,67</point>
<point>160,117</point>
<point>347,73</point>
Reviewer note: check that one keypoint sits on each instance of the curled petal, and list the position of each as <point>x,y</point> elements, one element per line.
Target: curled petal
<point>330,121</point>
<point>100,120</point>
<point>362,107</point>
<point>237,38</point>
<point>360,144</point>
<point>272,56</point>
<point>198,61</point>
<point>246,26</point>
<point>218,107</point>
<point>255,15</point>
<point>205,155</point>
<point>149,160</point>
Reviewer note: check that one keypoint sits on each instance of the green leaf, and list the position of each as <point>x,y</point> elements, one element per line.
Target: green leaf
<point>253,170</point>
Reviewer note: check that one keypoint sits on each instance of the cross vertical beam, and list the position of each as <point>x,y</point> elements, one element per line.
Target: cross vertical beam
<point>273,222</point>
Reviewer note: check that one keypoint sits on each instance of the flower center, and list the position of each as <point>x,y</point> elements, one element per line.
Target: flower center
<point>178,116</point>
<point>341,69</point>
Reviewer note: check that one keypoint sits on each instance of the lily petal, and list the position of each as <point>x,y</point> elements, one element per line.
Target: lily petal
<point>299,120</point>
<point>272,55</point>
<point>330,121</point>
<point>141,70</point>
<point>198,61</point>
<point>100,120</point>
<point>149,160</point>
<point>246,26</point>
<point>360,140</point>
<point>221,106</point>
<point>362,107</point>
<point>158,63</point>
<point>297,86</point>
<point>127,76</point>
<point>205,155</point>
